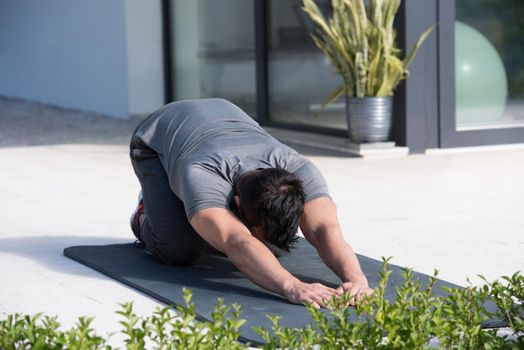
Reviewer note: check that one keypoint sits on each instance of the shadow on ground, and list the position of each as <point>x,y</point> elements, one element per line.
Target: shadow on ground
<point>318,152</point>
<point>26,123</point>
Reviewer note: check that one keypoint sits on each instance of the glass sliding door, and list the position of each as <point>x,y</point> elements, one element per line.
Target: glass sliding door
<point>214,50</point>
<point>481,83</point>
<point>489,64</point>
<point>299,76</point>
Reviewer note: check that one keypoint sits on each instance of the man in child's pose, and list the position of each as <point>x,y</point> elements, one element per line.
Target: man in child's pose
<point>212,178</point>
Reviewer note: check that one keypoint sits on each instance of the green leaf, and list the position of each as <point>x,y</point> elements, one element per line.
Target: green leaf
<point>333,95</point>
<point>411,55</point>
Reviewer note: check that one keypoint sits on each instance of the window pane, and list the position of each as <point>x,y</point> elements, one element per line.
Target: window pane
<point>489,46</point>
<point>214,50</point>
<point>300,77</point>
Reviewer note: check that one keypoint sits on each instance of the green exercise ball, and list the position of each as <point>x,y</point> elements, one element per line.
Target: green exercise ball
<point>481,83</point>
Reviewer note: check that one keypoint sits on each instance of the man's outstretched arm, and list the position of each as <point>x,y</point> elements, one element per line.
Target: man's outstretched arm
<point>220,228</point>
<point>320,226</point>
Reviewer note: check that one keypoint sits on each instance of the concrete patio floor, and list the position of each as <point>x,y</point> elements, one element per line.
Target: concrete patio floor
<point>460,213</point>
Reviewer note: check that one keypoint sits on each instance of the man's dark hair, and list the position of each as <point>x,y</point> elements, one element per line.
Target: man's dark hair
<point>272,200</point>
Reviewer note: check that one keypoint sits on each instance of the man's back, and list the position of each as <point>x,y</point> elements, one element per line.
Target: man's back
<point>205,145</point>
<point>177,128</point>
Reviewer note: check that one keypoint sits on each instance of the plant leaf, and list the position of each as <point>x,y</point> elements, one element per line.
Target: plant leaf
<point>409,58</point>
<point>333,95</point>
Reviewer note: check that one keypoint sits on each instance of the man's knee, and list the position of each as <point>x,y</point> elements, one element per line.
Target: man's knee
<point>173,247</point>
<point>178,254</point>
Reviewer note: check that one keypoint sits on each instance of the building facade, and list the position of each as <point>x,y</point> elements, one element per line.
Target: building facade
<point>465,88</point>
<point>97,55</point>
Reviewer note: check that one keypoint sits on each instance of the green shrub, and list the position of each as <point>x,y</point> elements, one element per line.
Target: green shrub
<point>412,319</point>
<point>162,330</point>
<point>36,332</point>
<point>409,322</point>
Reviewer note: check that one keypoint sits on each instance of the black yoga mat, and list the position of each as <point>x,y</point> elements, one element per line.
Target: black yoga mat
<point>213,276</point>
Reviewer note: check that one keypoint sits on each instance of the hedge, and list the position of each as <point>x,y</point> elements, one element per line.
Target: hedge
<point>411,321</point>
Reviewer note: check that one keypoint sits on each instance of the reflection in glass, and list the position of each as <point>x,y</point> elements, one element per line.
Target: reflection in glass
<point>489,68</point>
<point>214,50</point>
<point>300,77</point>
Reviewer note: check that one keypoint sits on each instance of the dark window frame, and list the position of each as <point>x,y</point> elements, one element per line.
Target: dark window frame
<point>449,136</point>
<point>262,78</point>
<point>416,115</point>
<point>167,52</point>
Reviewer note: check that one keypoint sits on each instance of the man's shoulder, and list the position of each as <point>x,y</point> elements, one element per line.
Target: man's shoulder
<point>199,170</point>
<point>199,187</point>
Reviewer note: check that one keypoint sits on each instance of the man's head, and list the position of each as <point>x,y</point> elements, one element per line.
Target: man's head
<point>270,203</point>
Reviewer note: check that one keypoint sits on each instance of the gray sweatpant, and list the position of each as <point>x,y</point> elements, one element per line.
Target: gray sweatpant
<point>165,231</point>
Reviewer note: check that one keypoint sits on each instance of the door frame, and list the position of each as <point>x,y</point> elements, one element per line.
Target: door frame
<point>449,135</point>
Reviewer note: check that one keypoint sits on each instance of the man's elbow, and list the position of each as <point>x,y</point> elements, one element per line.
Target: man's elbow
<point>322,234</point>
<point>235,244</point>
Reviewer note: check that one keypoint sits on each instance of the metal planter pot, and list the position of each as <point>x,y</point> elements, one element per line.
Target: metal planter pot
<point>369,118</point>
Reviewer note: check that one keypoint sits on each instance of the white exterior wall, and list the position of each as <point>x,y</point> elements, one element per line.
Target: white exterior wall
<point>103,56</point>
<point>144,55</point>
<point>67,53</point>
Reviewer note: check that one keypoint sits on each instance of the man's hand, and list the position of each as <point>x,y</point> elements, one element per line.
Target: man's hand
<point>355,290</point>
<point>320,226</point>
<point>227,234</point>
<point>315,294</point>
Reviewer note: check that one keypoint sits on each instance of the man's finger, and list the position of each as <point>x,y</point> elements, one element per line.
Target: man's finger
<point>353,293</point>
<point>327,298</point>
<point>346,286</point>
<point>363,293</point>
<point>323,302</point>
<point>334,291</point>
<point>313,303</point>
<point>354,290</point>
<point>329,289</point>
<point>359,296</point>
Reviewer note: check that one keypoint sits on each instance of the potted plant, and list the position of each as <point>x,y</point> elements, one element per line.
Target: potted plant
<point>360,42</point>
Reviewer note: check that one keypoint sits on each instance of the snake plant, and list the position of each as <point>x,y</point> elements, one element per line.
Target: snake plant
<point>360,42</point>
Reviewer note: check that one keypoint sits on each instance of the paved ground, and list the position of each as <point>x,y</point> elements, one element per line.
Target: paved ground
<point>32,124</point>
<point>460,213</point>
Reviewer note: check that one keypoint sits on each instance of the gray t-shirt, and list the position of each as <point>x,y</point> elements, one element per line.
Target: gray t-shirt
<point>205,145</point>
